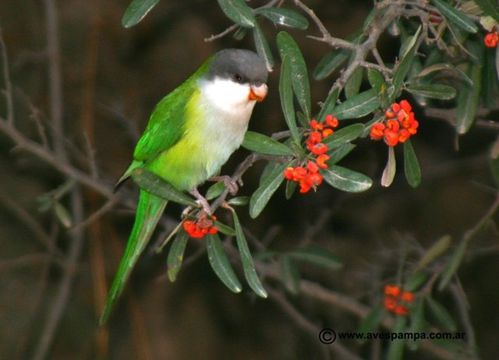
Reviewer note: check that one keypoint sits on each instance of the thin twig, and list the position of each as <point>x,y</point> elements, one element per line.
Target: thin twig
<point>8,84</point>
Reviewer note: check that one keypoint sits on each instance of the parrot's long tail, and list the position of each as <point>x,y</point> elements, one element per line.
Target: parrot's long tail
<point>149,211</point>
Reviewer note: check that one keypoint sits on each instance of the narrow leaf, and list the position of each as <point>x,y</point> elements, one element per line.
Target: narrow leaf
<point>248,265</point>
<point>329,63</point>
<point>176,255</point>
<point>329,104</point>
<point>290,52</point>
<point>415,281</point>
<point>339,153</point>
<point>225,229</point>
<point>455,16</point>
<point>403,67</point>
<point>441,314</point>
<point>344,135</point>
<point>417,322</point>
<point>371,322</point>
<point>239,201</point>
<point>317,256</point>
<point>396,347</point>
<point>262,195</point>
<point>390,169</point>
<point>286,95</point>
<point>62,215</point>
<point>290,275</point>
<point>263,144</point>
<point>411,165</point>
<point>358,106</point>
<point>215,190</point>
<point>238,11</point>
<point>346,180</point>
<point>452,265</point>
<point>262,47</point>
<point>433,91</point>
<point>221,264</point>
<point>434,252</point>
<point>136,11</point>
<point>353,83</point>
<point>290,189</point>
<point>159,187</point>
<point>376,80</point>
<point>468,101</point>
<point>284,17</point>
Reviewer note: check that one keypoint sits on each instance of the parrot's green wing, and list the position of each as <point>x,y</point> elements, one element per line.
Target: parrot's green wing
<point>166,124</point>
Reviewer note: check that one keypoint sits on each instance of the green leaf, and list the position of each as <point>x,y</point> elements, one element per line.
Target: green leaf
<point>434,252</point>
<point>221,264</point>
<point>441,67</point>
<point>403,67</point>
<point>455,16</point>
<point>176,255</point>
<point>269,185</point>
<point>353,83</point>
<point>396,347</point>
<point>248,265</point>
<point>215,190</point>
<point>240,33</point>
<point>239,201</point>
<point>452,265</point>
<point>358,106</point>
<point>290,189</point>
<point>329,105</point>
<point>316,255</point>
<point>329,63</point>
<point>290,275</point>
<point>339,153</point>
<point>290,52</point>
<point>468,101</point>
<point>371,322</point>
<point>239,12</point>
<point>441,314</point>
<point>344,135</point>
<point>417,322</point>
<point>415,281</point>
<point>390,169</point>
<point>433,91</point>
<point>263,144</point>
<point>262,47</point>
<point>489,7</point>
<point>225,229</point>
<point>288,107</point>
<point>62,215</point>
<point>284,17</point>
<point>376,80</point>
<point>136,11</point>
<point>346,180</point>
<point>411,165</point>
<point>159,187</point>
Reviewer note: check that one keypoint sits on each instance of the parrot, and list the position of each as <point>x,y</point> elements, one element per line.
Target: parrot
<point>190,134</point>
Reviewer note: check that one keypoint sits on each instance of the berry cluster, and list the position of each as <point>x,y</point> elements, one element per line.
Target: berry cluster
<point>396,299</point>
<point>308,176</point>
<point>491,39</point>
<point>200,227</point>
<point>398,126</point>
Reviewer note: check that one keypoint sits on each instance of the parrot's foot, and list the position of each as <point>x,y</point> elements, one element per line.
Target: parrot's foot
<point>230,184</point>
<point>200,199</point>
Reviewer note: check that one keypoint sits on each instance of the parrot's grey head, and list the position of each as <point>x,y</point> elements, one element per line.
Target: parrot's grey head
<point>239,70</point>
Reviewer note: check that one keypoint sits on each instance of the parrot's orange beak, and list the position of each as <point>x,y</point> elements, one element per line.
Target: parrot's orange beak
<point>257,92</point>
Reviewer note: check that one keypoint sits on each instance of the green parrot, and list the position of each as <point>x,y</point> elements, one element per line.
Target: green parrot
<point>190,135</point>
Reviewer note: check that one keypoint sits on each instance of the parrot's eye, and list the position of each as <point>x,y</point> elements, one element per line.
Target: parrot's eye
<point>238,78</point>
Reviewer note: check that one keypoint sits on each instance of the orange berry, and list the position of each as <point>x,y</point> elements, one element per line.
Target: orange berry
<point>315,178</point>
<point>391,138</point>
<point>392,290</point>
<point>390,303</point>
<point>318,149</point>
<point>315,125</point>
<point>396,107</point>
<point>404,135</point>
<point>314,138</point>
<point>406,106</point>
<point>491,39</point>
<point>401,310</point>
<point>393,125</point>
<point>331,121</point>
<point>289,173</point>
<point>312,167</point>
<point>377,131</point>
<point>327,132</point>
<point>321,161</point>
<point>407,296</point>
<point>299,173</point>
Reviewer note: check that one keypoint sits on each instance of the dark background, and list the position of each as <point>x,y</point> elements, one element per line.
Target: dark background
<point>112,77</point>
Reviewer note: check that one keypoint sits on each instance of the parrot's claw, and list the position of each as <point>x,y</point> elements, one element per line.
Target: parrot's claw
<point>230,184</point>
<point>200,199</point>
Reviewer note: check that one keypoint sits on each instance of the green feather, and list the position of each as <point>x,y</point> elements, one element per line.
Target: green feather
<point>149,211</point>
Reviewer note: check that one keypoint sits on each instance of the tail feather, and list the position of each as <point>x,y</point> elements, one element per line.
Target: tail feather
<point>149,210</point>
